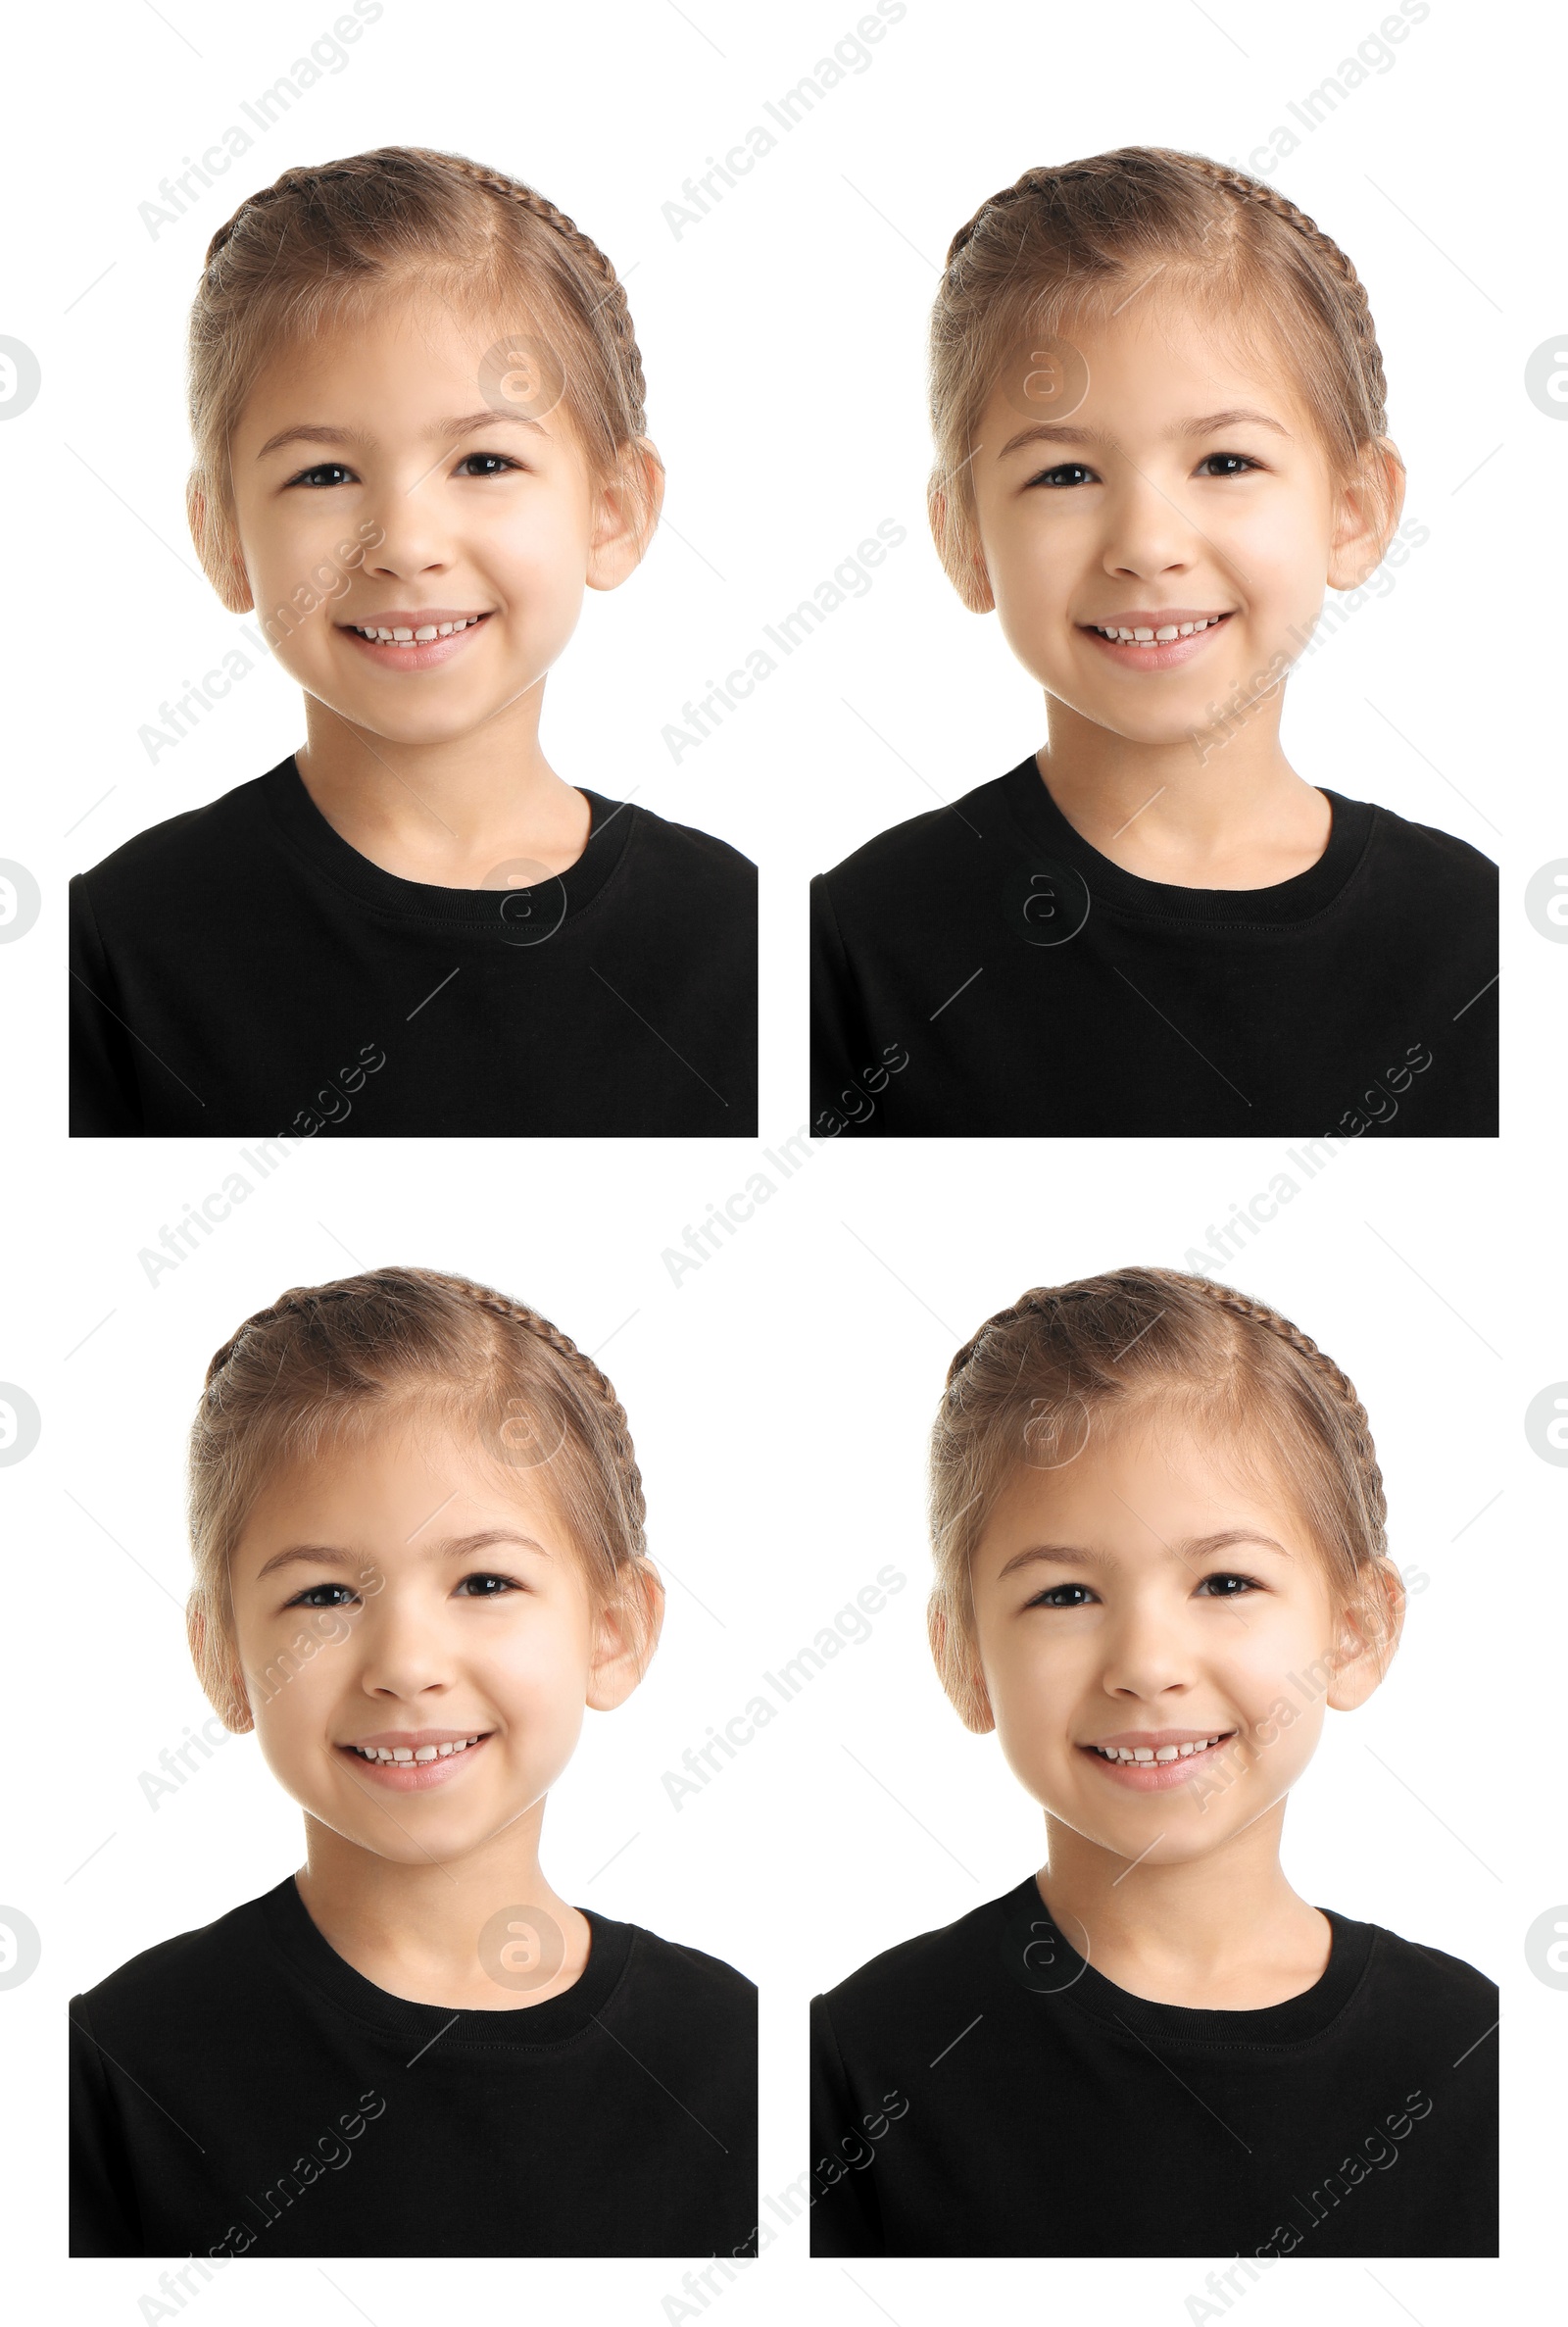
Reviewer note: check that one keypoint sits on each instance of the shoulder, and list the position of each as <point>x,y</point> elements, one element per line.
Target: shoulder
<point>200,840</point>
<point>922,843</point>
<point>689,851</point>
<point>175,1973</point>
<point>891,1986</point>
<point>1432,1982</point>
<point>690,1981</point>
<point>1423,852</point>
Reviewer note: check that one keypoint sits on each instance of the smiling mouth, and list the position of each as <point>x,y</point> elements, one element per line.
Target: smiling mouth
<point>404,1757</point>
<point>1149,636</point>
<point>1145,1756</point>
<point>399,636</point>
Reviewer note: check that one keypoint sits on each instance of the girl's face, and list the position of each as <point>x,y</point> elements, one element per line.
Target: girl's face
<point>1140,1597</point>
<point>383,436</point>
<point>394,1595</point>
<point>1184,485</point>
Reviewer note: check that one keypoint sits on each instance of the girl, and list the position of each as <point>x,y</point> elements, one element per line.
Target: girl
<point>416,403</point>
<point>1158,1530</point>
<point>417,1524</point>
<point>1158,409</point>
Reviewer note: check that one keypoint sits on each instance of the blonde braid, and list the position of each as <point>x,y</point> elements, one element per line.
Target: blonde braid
<point>1337,1385</point>
<point>588,255</point>
<point>298,1302</point>
<point>1339,1390</point>
<point>592,1379</point>
<point>1041,185</point>
<point>302,1300</point>
<point>1357,308</point>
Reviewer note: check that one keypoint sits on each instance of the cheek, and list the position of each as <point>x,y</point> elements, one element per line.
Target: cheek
<point>540,1660</point>
<point>550,565</point>
<point>1283,549</point>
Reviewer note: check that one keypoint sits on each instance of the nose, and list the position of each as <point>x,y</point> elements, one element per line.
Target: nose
<point>400,1647</point>
<point>415,539</point>
<point>1146,532</point>
<point>1147,1653</point>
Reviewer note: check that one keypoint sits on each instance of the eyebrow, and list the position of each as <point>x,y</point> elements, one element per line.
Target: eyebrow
<point>1065,431</point>
<point>310,432</point>
<point>451,1547</point>
<point>1200,1546</point>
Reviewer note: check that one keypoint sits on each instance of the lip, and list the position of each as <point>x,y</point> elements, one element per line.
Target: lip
<point>1156,1777</point>
<point>1174,653</point>
<point>414,1777</point>
<point>433,652</point>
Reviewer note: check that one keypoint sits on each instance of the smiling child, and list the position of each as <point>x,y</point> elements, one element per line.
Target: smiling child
<point>1159,1528</point>
<point>1158,407</point>
<point>416,403</point>
<point>416,1522</point>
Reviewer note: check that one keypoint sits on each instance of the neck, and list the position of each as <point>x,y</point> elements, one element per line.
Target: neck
<point>1219,1930</point>
<point>415,1929</point>
<point>450,810</point>
<point>1221,808</point>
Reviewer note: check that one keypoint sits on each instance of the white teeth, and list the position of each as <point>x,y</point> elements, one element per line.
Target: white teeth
<point>415,1753</point>
<point>1161,637</point>
<point>426,630</point>
<point>1155,1752</point>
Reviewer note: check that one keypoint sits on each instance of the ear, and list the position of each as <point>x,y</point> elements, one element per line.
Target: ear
<point>1366,516</point>
<point>625,515</point>
<point>959,1666</point>
<point>626,1633</point>
<point>217,1669</point>
<point>965,568</point>
<point>230,580</point>
<point>1367,1636</point>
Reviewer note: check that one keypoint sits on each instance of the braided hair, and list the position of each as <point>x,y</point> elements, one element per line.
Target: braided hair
<point>322,1361</point>
<point>323,242</point>
<point>1081,239</point>
<point>1024,1390</point>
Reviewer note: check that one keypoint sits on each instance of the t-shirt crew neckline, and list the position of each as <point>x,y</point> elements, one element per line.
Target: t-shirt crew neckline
<point>556,2018</point>
<point>312,837</point>
<point>1061,1973</point>
<point>1295,900</point>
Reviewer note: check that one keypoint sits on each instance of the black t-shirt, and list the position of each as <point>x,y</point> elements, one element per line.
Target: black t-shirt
<point>241,970</point>
<point>244,2090</point>
<point>982,2090</point>
<point>982,971</point>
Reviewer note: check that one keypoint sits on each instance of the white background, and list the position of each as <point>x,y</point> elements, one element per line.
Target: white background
<point>781,1395</point>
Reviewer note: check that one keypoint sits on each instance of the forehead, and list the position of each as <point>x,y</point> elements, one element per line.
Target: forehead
<point>399,1482</point>
<point>406,356</point>
<point>1132,1487</point>
<point>1159,353</point>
